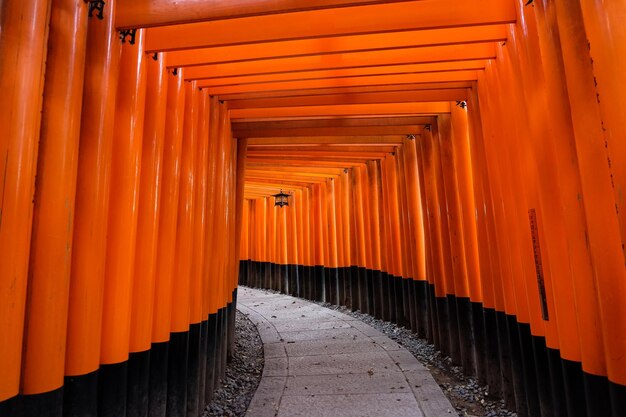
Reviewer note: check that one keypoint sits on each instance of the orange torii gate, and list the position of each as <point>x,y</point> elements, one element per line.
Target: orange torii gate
<point>455,167</point>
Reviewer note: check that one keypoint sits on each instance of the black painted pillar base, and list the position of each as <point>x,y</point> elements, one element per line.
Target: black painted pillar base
<point>517,373</point>
<point>377,296</point>
<point>556,384</point>
<point>204,334</point>
<point>306,283</point>
<point>219,348</point>
<point>211,358</point>
<point>492,354</point>
<point>479,342</point>
<point>442,325</point>
<point>406,302</point>
<point>421,308</point>
<point>347,288</point>
<point>542,374</point>
<point>157,392</point>
<point>293,280</point>
<point>385,296</point>
<point>362,287</point>
<point>193,370</point>
<point>618,399</point>
<point>328,290</point>
<point>597,395</point>
<point>412,306</point>
<point>466,334</point>
<point>391,300</point>
<point>111,390</point>
<point>259,280</point>
<point>432,332</point>
<point>80,396</point>
<point>12,407</point>
<point>369,288</point>
<point>398,288</point>
<point>341,286</point>
<point>224,342</point>
<point>243,277</point>
<point>528,368</point>
<point>299,281</point>
<point>138,384</point>
<point>275,277</point>
<point>47,404</point>
<point>231,324</point>
<point>284,283</point>
<point>177,375</point>
<point>333,278</point>
<point>453,328</point>
<point>267,275</point>
<point>318,280</point>
<point>508,393</point>
<point>354,288</point>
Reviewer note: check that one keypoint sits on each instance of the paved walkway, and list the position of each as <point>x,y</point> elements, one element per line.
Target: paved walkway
<point>320,362</point>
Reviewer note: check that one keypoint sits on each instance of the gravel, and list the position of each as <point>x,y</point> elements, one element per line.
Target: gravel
<point>469,398</point>
<point>243,373</point>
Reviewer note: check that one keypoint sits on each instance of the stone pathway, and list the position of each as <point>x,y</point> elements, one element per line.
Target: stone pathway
<point>320,362</point>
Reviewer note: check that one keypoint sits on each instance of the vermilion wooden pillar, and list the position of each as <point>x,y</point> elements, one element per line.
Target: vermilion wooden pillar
<point>358,280</point>
<point>200,239</point>
<point>166,244</point>
<point>405,242</point>
<point>45,326</point>
<point>458,301</point>
<point>416,219</point>
<point>332,263</point>
<point>487,247</point>
<point>122,228</point>
<point>374,202</point>
<point>181,286</point>
<point>307,241</point>
<point>602,220</point>
<point>82,356</point>
<point>195,399</point>
<point>23,49</point>
<point>146,246</point>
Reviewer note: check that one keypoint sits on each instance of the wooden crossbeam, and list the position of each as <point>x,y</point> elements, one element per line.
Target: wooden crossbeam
<point>381,18</point>
<point>425,108</point>
<point>370,80</point>
<point>335,45</point>
<point>425,54</point>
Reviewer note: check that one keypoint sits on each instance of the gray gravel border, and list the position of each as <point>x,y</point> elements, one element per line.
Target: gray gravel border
<point>243,373</point>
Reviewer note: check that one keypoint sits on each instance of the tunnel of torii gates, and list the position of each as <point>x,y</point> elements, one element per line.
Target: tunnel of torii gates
<point>456,167</point>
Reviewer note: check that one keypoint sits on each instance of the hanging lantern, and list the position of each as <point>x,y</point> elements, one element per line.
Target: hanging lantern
<point>281,199</point>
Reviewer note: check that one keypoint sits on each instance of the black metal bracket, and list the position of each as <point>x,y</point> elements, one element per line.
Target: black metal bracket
<point>175,71</point>
<point>130,33</point>
<point>155,56</point>
<point>461,104</point>
<point>428,127</point>
<point>97,6</point>
<point>410,137</point>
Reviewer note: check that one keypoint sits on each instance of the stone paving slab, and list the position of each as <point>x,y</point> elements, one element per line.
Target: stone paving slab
<point>354,405</point>
<point>321,363</point>
<point>380,383</point>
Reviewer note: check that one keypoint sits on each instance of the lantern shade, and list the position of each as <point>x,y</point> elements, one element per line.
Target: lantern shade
<point>281,199</point>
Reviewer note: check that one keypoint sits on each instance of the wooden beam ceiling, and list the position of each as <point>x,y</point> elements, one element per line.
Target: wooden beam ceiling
<point>320,86</point>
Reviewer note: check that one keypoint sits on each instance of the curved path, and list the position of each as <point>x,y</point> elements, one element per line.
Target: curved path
<point>320,362</point>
